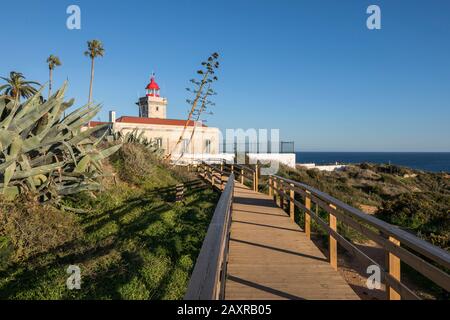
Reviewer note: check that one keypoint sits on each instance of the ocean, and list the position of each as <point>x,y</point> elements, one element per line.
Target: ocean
<point>427,161</point>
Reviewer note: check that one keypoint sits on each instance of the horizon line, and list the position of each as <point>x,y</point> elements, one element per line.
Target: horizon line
<point>325,151</point>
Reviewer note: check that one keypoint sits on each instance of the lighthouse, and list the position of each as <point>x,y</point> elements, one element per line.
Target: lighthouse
<point>152,105</point>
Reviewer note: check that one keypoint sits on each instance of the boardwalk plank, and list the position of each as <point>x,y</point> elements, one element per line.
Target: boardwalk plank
<point>271,258</point>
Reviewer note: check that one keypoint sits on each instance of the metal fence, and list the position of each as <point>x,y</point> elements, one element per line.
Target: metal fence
<point>259,147</point>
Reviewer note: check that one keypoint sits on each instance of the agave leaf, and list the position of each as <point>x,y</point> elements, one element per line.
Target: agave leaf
<point>80,118</point>
<point>8,175</point>
<point>37,171</point>
<point>6,138</point>
<point>84,119</point>
<point>82,165</point>
<point>30,104</point>
<point>3,100</point>
<point>72,154</point>
<point>100,139</point>
<point>87,133</point>
<point>12,106</point>
<point>25,166</point>
<point>106,153</point>
<point>71,117</point>
<point>16,146</point>
<point>80,188</point>
<point>32,117</point>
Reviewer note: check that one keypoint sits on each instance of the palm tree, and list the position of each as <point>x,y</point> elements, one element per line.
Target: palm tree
<point>16,86</point>
<point>95,49</point>
<point>53,61</point>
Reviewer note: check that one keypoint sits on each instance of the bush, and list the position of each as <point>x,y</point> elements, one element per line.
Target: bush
<point>28,228</point>
<point>425,214</point>
<point>133,162</point>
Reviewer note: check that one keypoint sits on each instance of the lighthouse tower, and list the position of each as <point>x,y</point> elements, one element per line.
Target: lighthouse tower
<point>152,105</point>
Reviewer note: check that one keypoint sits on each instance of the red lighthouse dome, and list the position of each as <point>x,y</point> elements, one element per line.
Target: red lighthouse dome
<point>152,88</point>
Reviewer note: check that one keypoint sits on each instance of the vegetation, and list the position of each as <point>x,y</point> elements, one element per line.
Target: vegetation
<point>17,87</point>
<point>45,154</point>
<point>113,211</point>
<point>52,61</point>
<point>415,200</point>
<point>133,241</point>
<point>201,90</point>
<point>95,49</point>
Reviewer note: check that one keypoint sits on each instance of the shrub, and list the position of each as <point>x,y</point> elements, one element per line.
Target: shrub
<point>133,163</point>
<point>28,228</point>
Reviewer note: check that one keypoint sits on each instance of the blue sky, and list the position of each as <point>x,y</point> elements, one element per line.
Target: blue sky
<point>309,68</point>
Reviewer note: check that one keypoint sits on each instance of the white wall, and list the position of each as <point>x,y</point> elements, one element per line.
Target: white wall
<point>287,159</point>
<point>170,135</point>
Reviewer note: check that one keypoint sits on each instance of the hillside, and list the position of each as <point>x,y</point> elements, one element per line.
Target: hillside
<point>415,200</point>
<point>131,240</point>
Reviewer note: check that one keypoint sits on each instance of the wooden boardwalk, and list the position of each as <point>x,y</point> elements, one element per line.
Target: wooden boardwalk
<point>271,258</point>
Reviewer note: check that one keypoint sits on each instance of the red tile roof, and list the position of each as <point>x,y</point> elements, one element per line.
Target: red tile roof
<point>96,123</point>
<point>169,122</point>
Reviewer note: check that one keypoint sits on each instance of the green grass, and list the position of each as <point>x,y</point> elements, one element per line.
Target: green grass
<point>136,243</point>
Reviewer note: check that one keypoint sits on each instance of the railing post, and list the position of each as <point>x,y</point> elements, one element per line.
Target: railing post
<point>275,192</point>
<point>291,202</point>
<point>242,175</point>
<point>222,185</point>
<point>211,170</point>
<point>285,198</point>
<point>179,192</point>
<point>393,264</point>
<point>256,180</point>
<point>333,241</point>
<point>270,186</point>
<point>307,216</point>
<point>232,168</point>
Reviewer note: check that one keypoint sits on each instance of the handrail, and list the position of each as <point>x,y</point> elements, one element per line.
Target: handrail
<point>388,236</point>
<point>207,281</point>
<point>215,172</point>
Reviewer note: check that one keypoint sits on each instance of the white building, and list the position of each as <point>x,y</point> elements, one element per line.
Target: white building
<point>198,141</point>
<point>152,120</point>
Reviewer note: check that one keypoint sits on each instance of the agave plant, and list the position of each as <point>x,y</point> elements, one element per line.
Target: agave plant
<point>43,152</point>
<point>138,137</point>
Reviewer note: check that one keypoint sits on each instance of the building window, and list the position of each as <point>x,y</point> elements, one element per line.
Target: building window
<point>184,145</point>
<point>207,146</point>
<point>157,108</point>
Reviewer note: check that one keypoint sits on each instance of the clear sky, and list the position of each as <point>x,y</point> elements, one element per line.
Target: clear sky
<point>310,68</point>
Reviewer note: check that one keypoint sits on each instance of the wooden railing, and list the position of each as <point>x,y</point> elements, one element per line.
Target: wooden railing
<point>398,244</point>
<point>208,278</point>
<point>216,173</point>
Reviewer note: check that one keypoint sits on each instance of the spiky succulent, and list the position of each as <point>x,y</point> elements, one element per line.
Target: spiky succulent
<point>138,137</point>
<point>43,152</point>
